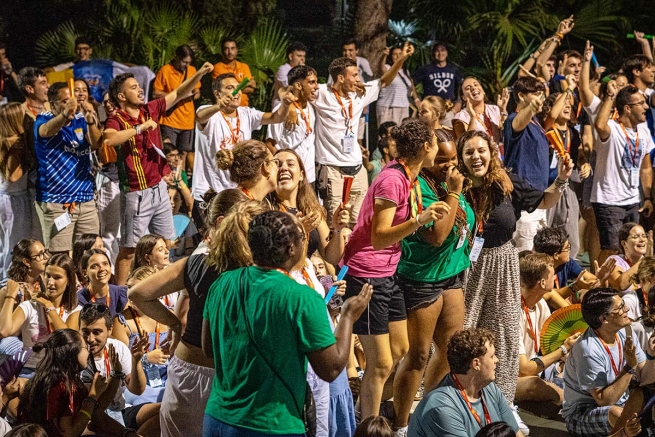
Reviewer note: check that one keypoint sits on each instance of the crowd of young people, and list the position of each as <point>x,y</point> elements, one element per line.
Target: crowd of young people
<point>168,274</point>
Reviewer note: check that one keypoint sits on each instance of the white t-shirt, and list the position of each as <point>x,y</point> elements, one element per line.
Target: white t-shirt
<point>298,139</point>
<point>332,126</point>
<point>35,328</point>
<point>125,357</point>
<point>492,112</point>
<point>217,134</point>
<point>538,316</point>
<point>281,81</point>
<point>616,177</point>
<point>629,295</point>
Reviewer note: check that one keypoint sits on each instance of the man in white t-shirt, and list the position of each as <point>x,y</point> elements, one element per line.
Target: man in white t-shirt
<point>296,52</point>
<point>95,327</point>
<point>224,124</point>
<point>300,138</point>
<point>622,164</point>
<point>338,109</point>
<point>537,372</point>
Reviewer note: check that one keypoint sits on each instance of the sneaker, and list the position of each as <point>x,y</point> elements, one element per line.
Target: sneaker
<point>522,426</point>
<point>400,432</point>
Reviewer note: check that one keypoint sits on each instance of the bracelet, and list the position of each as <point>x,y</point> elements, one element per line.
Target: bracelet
<point>86,413</point>
<point>137,128</point>
<point>564,350</point>
<point>649,357</point>
<point>560,36</point>
<point>117,375</point>
<point>47,310</point>
<point>10,297</point>
<point>561,185</point>
<point>95,403</point>
<point>418,222</point>
<point>628,369</point>
<point>504,114</point>
<point>454,194</point>
<point>539,362</point>
<point>611,96</point>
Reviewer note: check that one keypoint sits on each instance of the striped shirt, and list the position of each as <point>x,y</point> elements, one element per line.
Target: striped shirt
<point>64,164</point>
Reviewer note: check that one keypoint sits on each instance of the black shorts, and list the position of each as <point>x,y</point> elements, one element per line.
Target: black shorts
<point>419,294</point>
<point>129,416</point>
<point>183,139</point>
<point>387,304</point>
<point>609,220</point>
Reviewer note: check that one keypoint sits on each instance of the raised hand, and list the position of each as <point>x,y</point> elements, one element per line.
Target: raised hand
<point>114,361</point>
<point>603,272</point>
<point>310,221</point>
<point>588,52</point>
<point>286,96</point>
<point>503,99</point>
<point>70,108</point>
<point>341,217</point>
<point>207,67</point>
<point>565,167</point>
<point>140,346</point>
<point>98,385</point>
<point>639,36</point>
<point>408,49</point>
<point>630,352</point>
<point>566,25</point>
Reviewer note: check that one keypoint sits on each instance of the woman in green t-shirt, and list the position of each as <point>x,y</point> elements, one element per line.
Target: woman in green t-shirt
<point>430,272</point>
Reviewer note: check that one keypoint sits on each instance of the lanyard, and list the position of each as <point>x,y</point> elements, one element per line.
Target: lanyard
<point>93,299</point>
<point>305,276</point>
<point>346,115</point>
<point>247,192</point>
<point>615,368</point>
<point>47,322</point>
<point>139,328</point>
<point>634,154</point>
<point>306,118</point>
<point>107,365</point>
<point>234,133</point>
<point>415,195</point>
<point>485,121</point>
<point>566,141</point>
<point>538,125</point>
<point>531,331</point>
<point>476,209</point>
<point>487,417</point>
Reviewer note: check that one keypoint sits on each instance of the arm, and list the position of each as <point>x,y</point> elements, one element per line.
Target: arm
<point>137,380</point>
<point>645,45</point>
<point>182,307</point>
<point>203,116</point>
<point>11,320</point>
<point>120,331</point>
<point>156,94</point>
<point>610,395</point>
<point>584,87</point>
<point>14,167</point>
<point>552,194</point>
<point>621,280</point>
<point>333,250</point>
<point>556,109</point>
<point>54,125</point>
<point>186,89</point>
<point>601,123</point>
<point>286,98</point>
<point>439,231</point>
<point>532,368</point>
<point>94,133</point>
<point>524,116</point>
<point>365,159</point>
<point>114,138</point>
<point>390,74</point>
<point>646,179</point>
<point>328,363</point>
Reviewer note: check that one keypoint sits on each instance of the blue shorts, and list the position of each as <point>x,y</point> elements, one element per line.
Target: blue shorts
<point>215,428</point>
<point>589,421</point>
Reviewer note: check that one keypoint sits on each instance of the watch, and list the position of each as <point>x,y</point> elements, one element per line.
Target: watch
<point>137,128</point>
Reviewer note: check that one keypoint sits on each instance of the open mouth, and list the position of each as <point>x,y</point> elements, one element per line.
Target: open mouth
<point>103,275</point>
<point>477,166</point>
<point>284,177</point>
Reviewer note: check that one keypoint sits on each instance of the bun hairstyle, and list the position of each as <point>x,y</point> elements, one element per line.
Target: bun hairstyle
<point>270,236</point>
<point>244,161</point>
<point>438,106</point>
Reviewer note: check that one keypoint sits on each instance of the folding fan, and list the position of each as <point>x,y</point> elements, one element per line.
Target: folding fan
<point>12,365</point>
<point>561,324</point>
<point>180,223</point>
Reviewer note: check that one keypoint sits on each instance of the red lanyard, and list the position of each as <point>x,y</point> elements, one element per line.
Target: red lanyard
<point>306,118</point>
<point>346,115</point>
<point>415,195</point>
<point>556,281</point>
<point>538,125</point>
<point>139,328</point>
<point>107,365</point>
<point>486,121</point>
<point>615,368</point>
<point>487,417</point>
<point>247,193</point>
<point>108,301</point>
<point>531,331</point>
<point>634,154</point>
<point>234,133</point>
<point>47,322</point>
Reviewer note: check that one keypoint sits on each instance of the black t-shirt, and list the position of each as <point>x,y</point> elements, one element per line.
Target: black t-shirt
<point>575,148</point>
<point>501,224</point>
<point>198,277</point>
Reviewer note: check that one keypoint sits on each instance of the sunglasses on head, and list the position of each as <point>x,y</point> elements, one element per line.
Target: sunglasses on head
<point>100,308</point>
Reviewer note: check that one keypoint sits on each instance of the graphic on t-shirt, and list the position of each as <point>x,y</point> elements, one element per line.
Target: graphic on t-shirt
<point>442,81</point>
<point>630,158</point>
<point>229,142</point>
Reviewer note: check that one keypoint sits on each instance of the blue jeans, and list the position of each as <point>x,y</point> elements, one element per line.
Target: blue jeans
<point>215,428</point>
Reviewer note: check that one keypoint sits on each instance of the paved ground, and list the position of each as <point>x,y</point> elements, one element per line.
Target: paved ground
<point>541,427</point>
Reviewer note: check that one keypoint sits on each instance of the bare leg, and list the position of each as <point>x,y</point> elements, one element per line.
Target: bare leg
<point>533,388</point>
<point>124,264</point>
<point>379,364</point>
<point>148,420</point>
<point>634,404</point>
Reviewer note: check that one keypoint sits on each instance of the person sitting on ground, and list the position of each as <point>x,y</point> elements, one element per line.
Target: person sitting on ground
<point>601,366</point>
<point>81,245</point>
<point>96,272</point>
<point>467,398</point>
<point>539,378</point>
<point>374,426</point>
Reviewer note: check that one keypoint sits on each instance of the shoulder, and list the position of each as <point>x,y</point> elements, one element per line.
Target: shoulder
<point>120,347</point>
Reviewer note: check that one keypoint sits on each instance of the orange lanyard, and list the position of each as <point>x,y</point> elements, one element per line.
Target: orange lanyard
<point>139,328</point>
<point>476,416</point>
<point>346,115</point>
<point>485,121</point>
<point>634,154</point>
<point>615,368</point>
<point>47,322</point>
<point>415,195</point>
<point>531,331</point>
<point>566,142</point>
<point>107,365</point>
<point>556,281</point>
<point>306,118</point>
<point>247,193</point>
<point>93,299</point>
<point>234,133</point>
<point>305,276</point>
<point>32,110</point>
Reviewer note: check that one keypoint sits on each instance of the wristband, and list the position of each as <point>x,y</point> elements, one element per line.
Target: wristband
<point>86,413</point>
<point>628,369</point>
<point>137,128</point>
<point>117,375</point>
<point>564,350</point>
<point>539,362</point>
<point>649,357</point>
<point>47,310</point>
<point>454,194</point>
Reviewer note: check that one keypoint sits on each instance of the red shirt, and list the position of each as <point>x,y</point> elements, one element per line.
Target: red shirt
<point>139,165</point>
<point>60,404</point>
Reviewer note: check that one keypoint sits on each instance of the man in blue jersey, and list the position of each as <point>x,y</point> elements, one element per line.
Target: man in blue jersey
<point>64,139</point>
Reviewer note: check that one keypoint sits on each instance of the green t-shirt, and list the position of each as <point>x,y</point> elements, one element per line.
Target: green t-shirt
<point>288,320</point>
<point>423,262</point>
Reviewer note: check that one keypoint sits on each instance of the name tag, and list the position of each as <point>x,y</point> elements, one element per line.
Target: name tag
<point>348,144</point>
<point>62,221</point>
<point>478,242</point>
<point>634,177</point>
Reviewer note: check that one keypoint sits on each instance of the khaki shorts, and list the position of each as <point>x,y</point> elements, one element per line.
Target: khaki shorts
<point>84,220</point>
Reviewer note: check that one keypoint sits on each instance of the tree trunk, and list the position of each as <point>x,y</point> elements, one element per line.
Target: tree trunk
<point>371,28</point>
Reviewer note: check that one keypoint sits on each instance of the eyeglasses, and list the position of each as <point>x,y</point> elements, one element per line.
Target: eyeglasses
<point>621,310</point>
<point>100,308</point>
<point>565,249</point>
<point>638,237</point>
<point>44,254</point>
<point>643,102</point>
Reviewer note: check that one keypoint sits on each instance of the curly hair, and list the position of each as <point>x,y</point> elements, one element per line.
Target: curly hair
<point>244,161</point>
<point>550,240</point>
<point>533,267</point>
<point>18,270</point>
<point>64,262</point>
<point>306,197</point>
<point>465,345</point>
<point>229,248</point>
<point>270,236</point>
<point>496,183</point>
<point>410,137</point>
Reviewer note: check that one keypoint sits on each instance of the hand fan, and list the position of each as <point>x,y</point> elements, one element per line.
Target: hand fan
<point>180,223</point>
<point>561,324</point>
<point>12,365</point>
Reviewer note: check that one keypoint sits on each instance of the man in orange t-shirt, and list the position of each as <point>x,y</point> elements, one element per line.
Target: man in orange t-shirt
<point>178,124</point>
<point>229,64</point>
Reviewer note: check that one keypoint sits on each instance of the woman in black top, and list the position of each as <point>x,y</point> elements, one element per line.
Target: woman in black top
<point>190,373</point>
<point>492,292</point>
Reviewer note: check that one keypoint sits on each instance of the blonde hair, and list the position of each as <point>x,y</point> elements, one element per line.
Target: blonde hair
<point>141,273</point>
<point>229,248</point>
<point>438,106</point>
<point>12,134</point>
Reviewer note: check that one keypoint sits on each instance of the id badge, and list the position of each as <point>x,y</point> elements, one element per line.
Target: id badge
<point>478,242</point>
<point>348,144</point>
<point>634,177</point>
<point>553,162</point>
<point>462,236</point>
<point>62,221</point>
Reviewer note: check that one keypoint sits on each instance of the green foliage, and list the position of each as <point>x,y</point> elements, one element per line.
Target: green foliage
<point>401,31</point>
<point>56,46</point>
<point>168,28</point>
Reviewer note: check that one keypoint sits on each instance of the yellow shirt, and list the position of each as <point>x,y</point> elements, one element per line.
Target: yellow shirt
<point>240,71</point>
<point>167,80</point>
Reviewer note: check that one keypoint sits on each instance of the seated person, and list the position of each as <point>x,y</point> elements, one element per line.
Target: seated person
<point>601,365</point>
<point>539,378</point>
<point>571,281</point>
<point>467,398</point>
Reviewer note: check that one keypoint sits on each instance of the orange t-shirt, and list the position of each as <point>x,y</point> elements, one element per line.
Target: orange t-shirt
<point>240,71</point>
<point>167,80</point>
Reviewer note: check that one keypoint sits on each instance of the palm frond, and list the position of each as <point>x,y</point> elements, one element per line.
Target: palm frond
<point>56,46</point>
